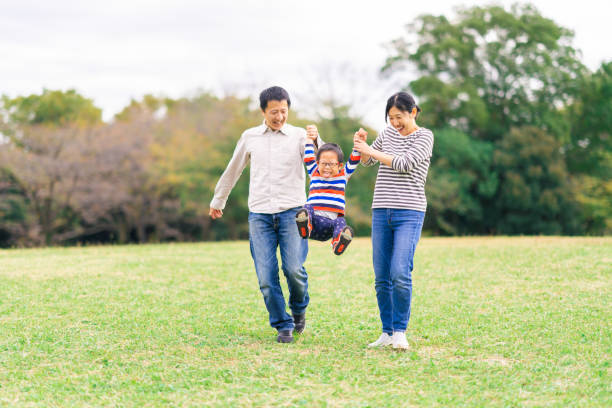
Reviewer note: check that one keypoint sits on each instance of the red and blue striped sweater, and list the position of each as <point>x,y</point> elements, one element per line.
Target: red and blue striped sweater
<point>327,194</point>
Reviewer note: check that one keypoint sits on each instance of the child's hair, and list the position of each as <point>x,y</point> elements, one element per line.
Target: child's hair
<point>402,101</point>
<point>331,147</point>
<point>275,93</point>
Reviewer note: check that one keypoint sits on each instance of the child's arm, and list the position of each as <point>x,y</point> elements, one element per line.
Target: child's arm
<point>312,133</point>
<point>310,159</point>
<point>352,163</point>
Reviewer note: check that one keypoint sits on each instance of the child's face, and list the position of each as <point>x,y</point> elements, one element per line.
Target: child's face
<point>328,164</point>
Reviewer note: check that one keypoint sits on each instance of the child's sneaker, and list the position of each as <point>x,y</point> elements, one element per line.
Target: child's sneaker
<point>341,241</point>
<point>303,223</point>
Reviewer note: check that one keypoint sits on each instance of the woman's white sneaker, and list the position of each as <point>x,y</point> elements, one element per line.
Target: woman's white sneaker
<point>383,340</point>
<point>399,341</point>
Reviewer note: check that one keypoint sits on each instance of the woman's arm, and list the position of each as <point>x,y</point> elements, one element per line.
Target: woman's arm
<point>420,151</point>
<point>368,152</point>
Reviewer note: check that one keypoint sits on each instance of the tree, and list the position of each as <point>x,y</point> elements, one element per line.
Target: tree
<point>461,185</point>
<point>589,152</point>
<point>192,146</point>
<point>56,108</point>
<point>490,70</point>
<point>42,130</point>
<point>535,194</point>
<point>43,168</point>
<point>13,213</point>
<point>590,148</point>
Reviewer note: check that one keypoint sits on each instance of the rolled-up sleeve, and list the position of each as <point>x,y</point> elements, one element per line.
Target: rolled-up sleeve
<point>230,176</point>
<point>420,151</point>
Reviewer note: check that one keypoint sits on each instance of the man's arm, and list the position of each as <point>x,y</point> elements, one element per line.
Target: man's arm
<point>228,179</point>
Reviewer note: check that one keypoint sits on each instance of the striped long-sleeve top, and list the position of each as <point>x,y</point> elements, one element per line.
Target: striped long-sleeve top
<point>326,194</point>
<point>402,185</point>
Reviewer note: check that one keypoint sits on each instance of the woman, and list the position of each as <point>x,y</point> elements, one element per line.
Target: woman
<point>398,209</point>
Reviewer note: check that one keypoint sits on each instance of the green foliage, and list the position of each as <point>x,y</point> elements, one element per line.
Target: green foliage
<point>13,211</point>
<point>491,69</point>
<point>534,193</point>
<point>460,184</point>
<point>595,197</point>
<point>57,108</point>
<point>590,150</point>
<point>499,74</point>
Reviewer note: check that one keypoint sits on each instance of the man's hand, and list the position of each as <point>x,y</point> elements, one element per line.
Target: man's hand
<point>214,213</point>
<point>312,133</point>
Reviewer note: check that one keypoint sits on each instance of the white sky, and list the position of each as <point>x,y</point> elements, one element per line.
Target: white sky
<point>115,50</point>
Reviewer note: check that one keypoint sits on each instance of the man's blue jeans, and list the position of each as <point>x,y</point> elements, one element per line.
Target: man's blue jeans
<point>266,233</point>
<point>395,233</point>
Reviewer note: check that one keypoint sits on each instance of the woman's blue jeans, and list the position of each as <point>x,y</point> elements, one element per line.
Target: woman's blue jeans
<point>395,233</point>
<point>267,232</point>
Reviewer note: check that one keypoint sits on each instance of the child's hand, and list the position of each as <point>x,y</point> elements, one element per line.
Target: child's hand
<point>360,136</point>
<point>312,133</point>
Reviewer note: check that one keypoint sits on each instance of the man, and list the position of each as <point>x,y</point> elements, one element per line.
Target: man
<point>276,193</point>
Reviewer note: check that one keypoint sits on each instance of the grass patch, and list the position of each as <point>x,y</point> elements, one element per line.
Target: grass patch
<point>495,322</point>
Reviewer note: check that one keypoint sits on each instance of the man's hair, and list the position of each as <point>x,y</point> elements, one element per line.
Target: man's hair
<point>275,93</point>
<point>331,147</point>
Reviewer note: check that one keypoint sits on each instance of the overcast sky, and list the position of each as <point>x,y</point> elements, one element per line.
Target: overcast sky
<point>112,51</point>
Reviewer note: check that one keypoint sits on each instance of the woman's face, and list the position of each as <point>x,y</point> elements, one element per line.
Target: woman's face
<point>402,121</point>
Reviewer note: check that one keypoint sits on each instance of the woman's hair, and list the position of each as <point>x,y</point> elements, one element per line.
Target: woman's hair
<point>402,101</point>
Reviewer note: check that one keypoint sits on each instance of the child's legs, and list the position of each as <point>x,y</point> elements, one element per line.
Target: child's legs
<point>322,227</point>
<point>310,210</point>
<point>339,225</point>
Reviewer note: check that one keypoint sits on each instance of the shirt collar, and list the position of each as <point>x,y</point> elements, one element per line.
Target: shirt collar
<point>284,130</point>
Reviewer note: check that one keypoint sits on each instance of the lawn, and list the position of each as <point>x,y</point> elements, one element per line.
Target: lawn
<point>495,322</point>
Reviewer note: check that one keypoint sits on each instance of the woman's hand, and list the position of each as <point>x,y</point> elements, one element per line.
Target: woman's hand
<point>361,134</point>
<point>368,152</point>
<point>362,146</point>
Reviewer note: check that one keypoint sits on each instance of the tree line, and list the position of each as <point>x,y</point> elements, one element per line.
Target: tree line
<point>522,145</point>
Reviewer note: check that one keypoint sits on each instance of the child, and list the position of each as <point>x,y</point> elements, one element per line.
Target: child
<point>322,217</point>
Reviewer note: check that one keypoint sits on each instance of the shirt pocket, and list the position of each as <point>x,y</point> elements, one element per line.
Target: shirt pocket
<point>286,152</point>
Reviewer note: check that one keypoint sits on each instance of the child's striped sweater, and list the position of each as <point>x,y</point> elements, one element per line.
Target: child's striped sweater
<point>327,194</point>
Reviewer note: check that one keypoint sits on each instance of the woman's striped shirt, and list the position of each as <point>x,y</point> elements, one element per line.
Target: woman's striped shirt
<point>402,185</point>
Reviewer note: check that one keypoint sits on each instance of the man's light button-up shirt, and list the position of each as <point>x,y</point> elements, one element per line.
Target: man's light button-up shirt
<point>278,180</point>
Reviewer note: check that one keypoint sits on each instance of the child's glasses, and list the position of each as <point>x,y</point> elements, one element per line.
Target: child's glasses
<point>327,164</point>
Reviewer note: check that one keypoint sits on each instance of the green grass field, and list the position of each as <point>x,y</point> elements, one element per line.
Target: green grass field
<point>495,322</point>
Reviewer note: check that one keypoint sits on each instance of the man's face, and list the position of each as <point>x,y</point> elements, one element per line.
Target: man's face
<point>276,114</point>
